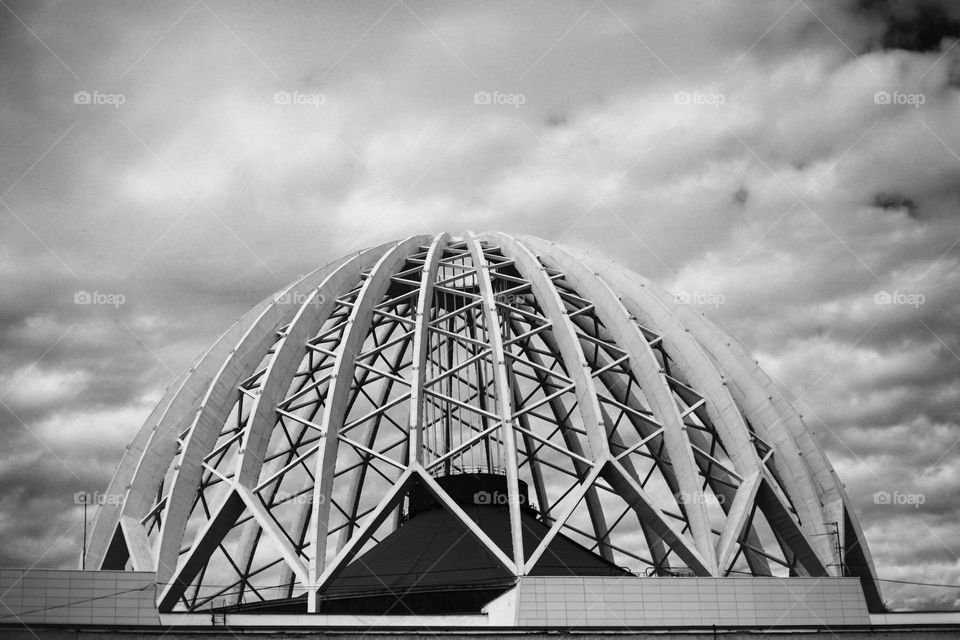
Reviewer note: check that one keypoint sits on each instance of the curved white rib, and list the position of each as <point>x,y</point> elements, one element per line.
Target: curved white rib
<point>575,363</point>
<point>645,367</point>
<point>220,398</point>
<point>421,343</point>
<point>108,516</point>
<point>154,447</point>
<point>334,409</point>
<point>504,394</point>
<point>752,398</point>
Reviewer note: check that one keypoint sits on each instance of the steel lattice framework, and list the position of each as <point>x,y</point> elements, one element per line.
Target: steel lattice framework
<point>644,432</point>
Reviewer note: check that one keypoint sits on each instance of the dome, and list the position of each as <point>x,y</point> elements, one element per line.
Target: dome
<point>441,415</point>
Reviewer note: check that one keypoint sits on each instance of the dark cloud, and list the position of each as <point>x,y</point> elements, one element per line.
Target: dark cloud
<point>913,26</point>
<point>556,120</point>
<point>897,202</point>
<point>740,196</point>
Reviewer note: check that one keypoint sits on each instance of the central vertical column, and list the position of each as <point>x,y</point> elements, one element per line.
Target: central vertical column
<point>421,344</point>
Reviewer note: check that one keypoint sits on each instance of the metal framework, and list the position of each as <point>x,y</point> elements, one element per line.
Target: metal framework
<point>644,432</point>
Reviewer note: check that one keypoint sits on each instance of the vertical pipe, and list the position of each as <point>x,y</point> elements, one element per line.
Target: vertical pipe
<point>448,415</point>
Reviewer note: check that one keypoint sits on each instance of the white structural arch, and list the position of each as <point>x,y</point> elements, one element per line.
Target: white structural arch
<point>644,433</point>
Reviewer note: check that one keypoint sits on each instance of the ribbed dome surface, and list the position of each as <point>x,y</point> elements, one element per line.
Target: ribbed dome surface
<point>643,433</point>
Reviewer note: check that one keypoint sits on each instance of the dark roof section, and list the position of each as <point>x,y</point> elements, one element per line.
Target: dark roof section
<point>433,564</point>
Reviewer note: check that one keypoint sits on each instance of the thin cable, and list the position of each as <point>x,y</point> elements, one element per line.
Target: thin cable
<point>70,604</point>
<point>911,582</point>
<point>234,590</point>
<point>921,584</point>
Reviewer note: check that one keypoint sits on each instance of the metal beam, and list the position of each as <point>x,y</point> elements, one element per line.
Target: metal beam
<point>447,502</point>
<point>348,552</point>
<point>573,500</point>
<point>207,541</point>
<point>631,491</point>
<point>420,344</point>
<point>807,477</point>
<point>738,518</point>
<point>564,333</point>
<point>220,397</point>
<point>270,526</point>
<point>646,369</point>
<point>107,518</point>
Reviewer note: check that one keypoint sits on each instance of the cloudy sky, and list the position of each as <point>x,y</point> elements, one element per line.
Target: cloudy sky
<point>790,166</point>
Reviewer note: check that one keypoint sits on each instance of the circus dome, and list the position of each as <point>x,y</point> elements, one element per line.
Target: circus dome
<point>417,425</point>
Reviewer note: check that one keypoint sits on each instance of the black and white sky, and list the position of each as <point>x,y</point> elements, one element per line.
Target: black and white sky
<point>791,166</point>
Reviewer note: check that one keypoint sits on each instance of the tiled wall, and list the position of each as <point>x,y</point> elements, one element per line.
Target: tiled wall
<point>567,602</point>
<point>127,598</point>
<point>54,596</point>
